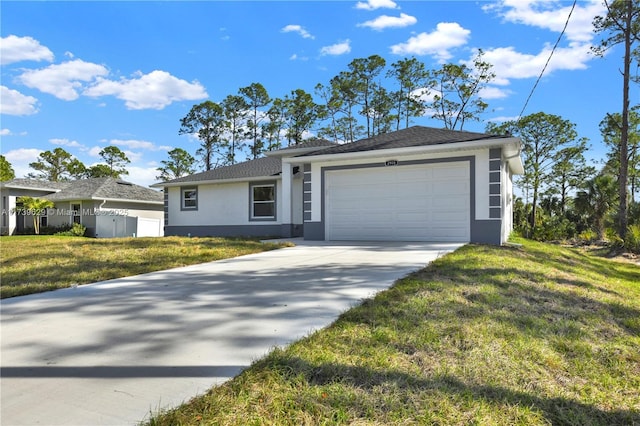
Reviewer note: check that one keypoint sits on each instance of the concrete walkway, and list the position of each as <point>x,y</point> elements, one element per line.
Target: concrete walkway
<point>111,353</point>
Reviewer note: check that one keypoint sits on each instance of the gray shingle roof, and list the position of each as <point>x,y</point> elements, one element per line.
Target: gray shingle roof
<point>109,188</point>
<point>267,166</point>
<point>311,143</point>
<point>272,165</point>
<point>24,183</point>
<point>409,137</point>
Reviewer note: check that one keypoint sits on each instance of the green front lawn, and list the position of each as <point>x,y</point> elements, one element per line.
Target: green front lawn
<point>33,264</point>
<point>486,335</point>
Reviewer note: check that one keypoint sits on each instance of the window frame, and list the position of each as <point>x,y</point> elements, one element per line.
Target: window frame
<point>76,213</point>
<point>184,189</point>
<point>252,201</point>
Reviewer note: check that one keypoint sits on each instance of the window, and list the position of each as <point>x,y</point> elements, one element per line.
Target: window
<point>263,201</point>
<point>189,199</point>
<point>5,211</point>
<point>44,219</point>
<point>75,213</point>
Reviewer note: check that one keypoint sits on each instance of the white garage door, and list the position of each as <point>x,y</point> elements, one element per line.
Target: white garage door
<point>428,202</point>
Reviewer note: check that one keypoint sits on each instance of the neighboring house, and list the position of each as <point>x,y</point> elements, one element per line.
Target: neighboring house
<point>12,221</point>
<point>108,207</point>
<point>416,184</point>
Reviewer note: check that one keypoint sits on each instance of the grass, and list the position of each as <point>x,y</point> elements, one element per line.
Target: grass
<point>535,335</point>
<point>33,264</point>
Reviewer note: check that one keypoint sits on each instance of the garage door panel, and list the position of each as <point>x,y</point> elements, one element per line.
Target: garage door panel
<point>406,203</point>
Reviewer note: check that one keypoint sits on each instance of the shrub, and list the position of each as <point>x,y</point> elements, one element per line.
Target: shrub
<point>632,243</point>
<point>611,235</point>
<point>588,236</point>
<point>77,230</point>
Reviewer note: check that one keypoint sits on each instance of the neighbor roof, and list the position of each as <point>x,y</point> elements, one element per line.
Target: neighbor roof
<point>35,184</point>
<point>106,188</point>
<point>409,137</point>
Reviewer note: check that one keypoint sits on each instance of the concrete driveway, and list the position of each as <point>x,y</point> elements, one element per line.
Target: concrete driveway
<point>110,353</point>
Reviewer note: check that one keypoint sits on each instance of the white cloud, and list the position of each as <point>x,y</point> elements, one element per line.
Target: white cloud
<point>376,4</point>
<point>15,103</point>
<point>5,132</point>
<point>20,159</point>
<point>67,143</point>
<point>502,119</point>
<point>446,36</point>
<point>136,144</point>
<point>134,157</point>
<point>95,151</point>
<point>384,21</point>
<point>552,16</point>
<point>297,29</point>
<point>155,90</point>
<point>18,49</point>
<point>64,80</point>
<point>143,176</point>
<point>492,92</point>
<point>337,49</point>
<point>295,57</point>
<point>509,64</point>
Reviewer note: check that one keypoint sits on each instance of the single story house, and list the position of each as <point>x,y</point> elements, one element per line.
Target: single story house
<point>107,207</point>
<point>415,184</point>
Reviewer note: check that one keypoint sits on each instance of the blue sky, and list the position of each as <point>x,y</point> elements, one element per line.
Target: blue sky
<point>85,75</point>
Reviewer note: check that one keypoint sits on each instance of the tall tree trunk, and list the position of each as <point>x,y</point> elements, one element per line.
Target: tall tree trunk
<point>624,133</point>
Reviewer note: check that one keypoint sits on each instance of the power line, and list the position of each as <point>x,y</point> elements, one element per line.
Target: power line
<point>548,60</point>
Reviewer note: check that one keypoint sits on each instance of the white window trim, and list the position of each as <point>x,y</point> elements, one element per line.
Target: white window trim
<point>183,207</point>
<point>252,202</point>
<point>74,213</point>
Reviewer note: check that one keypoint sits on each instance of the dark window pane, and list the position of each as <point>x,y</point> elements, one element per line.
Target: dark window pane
<point>263,193</point>
<point>264,209</point>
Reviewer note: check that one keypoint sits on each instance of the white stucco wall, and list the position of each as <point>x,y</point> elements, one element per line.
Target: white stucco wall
<point>220,204</point>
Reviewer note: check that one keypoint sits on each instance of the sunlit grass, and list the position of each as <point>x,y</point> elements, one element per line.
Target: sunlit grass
<point>535,335</point>
<point>33,264</point>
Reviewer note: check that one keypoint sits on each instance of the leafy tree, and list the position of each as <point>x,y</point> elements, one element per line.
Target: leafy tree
<point>235,110</point>
<point>6,171</point>
<point>330,111</point>
<point>208,122</point>
<point>362,72</point>
<point>301,113</point>
<point>76,169</point>
<point>256,96</point>
<point>36,208</point>
<point>180,163</point>
<point>596,201</point>
<point>272,128</point>
<point>457,89</point>
<point>569,171</point>
<point>116,160</point>
<point>411,76</point>
<point>621,25</point>
<point>610,129</point>
<point>55,166</point>
<point>345,96</point>
<point>544,137</point>
<point>380,109</point>
<point>99,171</point>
